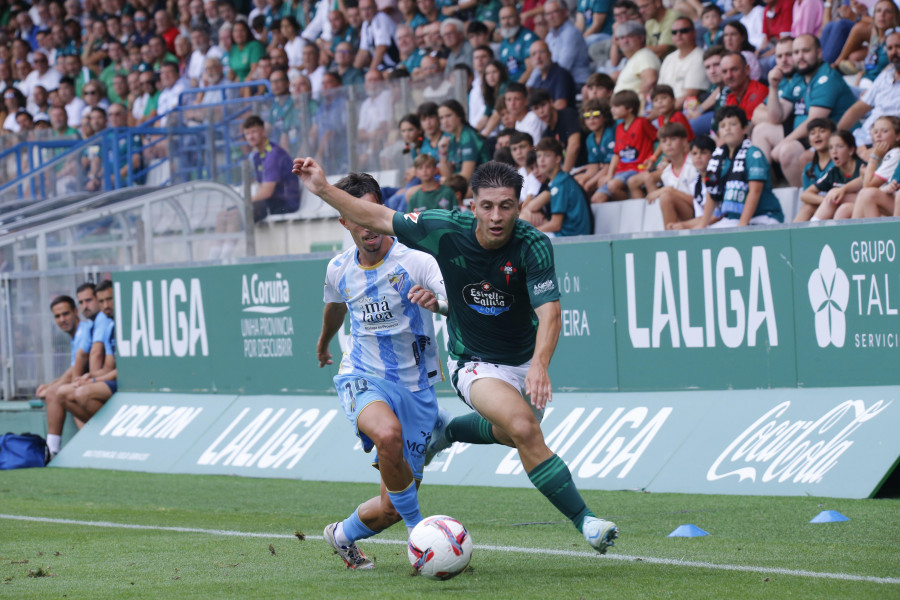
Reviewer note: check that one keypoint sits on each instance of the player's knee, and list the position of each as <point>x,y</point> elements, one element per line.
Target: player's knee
<point>523,430</point>
<point>389,440</point>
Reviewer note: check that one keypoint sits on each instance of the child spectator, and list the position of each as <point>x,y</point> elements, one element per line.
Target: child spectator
<point>520,146</point>
<point>599,142</point>
<point>680,174</point>
<point>634,145</point>
<point>680,212</point>
<point>880,180</point>
<point>738,177</point>
<point>846,167</point>
<point>569,212</point>
<point>460,188</point>
<point>430,194</point>
<point>711,19</point>
<point>599,86</point>
<point>819,132</point>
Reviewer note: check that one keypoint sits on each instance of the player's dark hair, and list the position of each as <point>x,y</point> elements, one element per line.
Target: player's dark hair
<point>87,285</point>
<point>63,299</point>
<point>360,184</point>
<point>495,174</point>
<point>704,142</point>
<point>732,111</point>
<point>104,285</point>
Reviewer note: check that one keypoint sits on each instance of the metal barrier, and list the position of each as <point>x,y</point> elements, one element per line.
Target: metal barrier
<point>188,223</point>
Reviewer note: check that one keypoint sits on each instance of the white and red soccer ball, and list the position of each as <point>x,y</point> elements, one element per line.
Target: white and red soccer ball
<point>439,547</point>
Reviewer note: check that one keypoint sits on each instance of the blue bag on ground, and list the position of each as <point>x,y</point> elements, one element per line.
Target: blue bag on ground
<point>20,451</point>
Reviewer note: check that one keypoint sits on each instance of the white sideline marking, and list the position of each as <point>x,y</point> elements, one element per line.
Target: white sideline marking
<point>543,551</point>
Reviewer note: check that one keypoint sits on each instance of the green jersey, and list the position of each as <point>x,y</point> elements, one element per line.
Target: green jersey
<point>492,293</point>
<point>442,197</point>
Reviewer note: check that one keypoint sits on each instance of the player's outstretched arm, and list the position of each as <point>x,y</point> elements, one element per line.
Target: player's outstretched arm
<point>332,321</point>
<point>537,380</point>
<point>374,217</point>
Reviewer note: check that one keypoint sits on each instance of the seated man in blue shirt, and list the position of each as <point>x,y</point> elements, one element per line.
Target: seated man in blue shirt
<point>568,207</point>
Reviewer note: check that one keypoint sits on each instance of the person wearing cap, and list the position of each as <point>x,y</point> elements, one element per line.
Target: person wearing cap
<point>641,70</point>
<point>42,121</point>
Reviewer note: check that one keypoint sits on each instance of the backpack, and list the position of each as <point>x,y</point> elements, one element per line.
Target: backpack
<point>22,451</point>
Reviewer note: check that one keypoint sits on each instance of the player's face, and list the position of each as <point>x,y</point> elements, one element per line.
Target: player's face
<point>496,211</point>
<point>87,302</point>
<point>367,241</point>
<point>65,316</point>
<point>105,299</point>
<point>700,159</point>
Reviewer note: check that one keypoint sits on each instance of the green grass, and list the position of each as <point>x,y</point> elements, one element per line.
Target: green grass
<point>77,561</point>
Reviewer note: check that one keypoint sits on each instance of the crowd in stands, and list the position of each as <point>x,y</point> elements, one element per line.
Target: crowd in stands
<point>670,100</point>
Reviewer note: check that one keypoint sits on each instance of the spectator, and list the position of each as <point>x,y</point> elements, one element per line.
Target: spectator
<point>142,31</point>
<point>552,77</point>
<point>158,53</point>
<point>738,177</point>
<point>117,65</point>
<point>806,17</point>
<point>282,118</point>
<point>375,114</point>
<point>40,101</point>
<point>376,39</point>
<point>680,175</point>
<point>883,98</point>
<point>635,136</point>
<point>679,212</point>
<point>568,208</point>
<point>244,53</point>
<point>430,194</point>
<point>278,190</point>
<point>203,49</point>
<point>410,14</point>
<point>567,46</point>
<point>42,76</point>
<point>312,69</point>
<point>877,186</point>
<point>734,38</point>
<point>493,86</point>
<point>461,149</point>
<point>481,56</point>
<point>751,16</point>
<point>173,84</point>
<point>144,107</point>
<point>165,28</point>
<point>343,58</point>
<point>452,34</point>
<point>658,22</point>
<point>743,91</point>
<point>593,19</point>
<point>410,55</point>
<point>826,96</point>
<point>429,10</point>
<point>477,31</point>
<point>642,67</point>
<point>516,101</point>
<point>867,42</point>
<point>431,128</point>
<point>683,69</point>
<point>600,141</point>
<point>74,105</point>
<point>711,20</point>
<point>820,131</point>
<point>293,42</point>
<point>516,44</point>
<point>846,167</point>
<point>599,86</point>
<point>329,132</point>
<point>562,125</point>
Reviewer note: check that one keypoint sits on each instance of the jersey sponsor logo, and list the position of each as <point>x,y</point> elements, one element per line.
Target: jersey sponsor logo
<point>508,270</point>
<point>376,314</point>
<point>544,287</point>
<point>485,299</point>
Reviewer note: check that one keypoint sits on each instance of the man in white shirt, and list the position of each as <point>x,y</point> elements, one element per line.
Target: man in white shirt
<point>516,98</point>
<point>376,39</point>
<point>42,75</point>
<point>74,105</point>
<point>173,85</point>
<point>312,69</point>
<point>683,69</point>
<point>203,49</point>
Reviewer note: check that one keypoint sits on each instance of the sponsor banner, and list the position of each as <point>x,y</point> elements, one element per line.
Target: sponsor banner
<point>584,272</point>
<point>705,311</point>
<point>142,432</point>
<point>847,304</point>
<point>837,442</point>
<point>232,329</point>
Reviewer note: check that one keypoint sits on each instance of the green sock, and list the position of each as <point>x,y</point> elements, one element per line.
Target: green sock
<point>553,479</point>
<point>472,429</point>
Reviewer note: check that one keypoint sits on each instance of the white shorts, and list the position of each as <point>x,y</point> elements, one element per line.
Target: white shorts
<point>463,376</point>
<point>757,220</point>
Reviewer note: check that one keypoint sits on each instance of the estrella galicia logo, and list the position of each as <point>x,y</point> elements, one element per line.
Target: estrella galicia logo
<point>829,292</point>
<point>487,300</point>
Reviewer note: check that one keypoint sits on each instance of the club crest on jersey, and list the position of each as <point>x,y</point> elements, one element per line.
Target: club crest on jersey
<point>397,281</point>
<point>508,270</point>
<point>485,299</point>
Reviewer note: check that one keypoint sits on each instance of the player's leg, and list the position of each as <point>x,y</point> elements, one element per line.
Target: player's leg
<point>88,399</point>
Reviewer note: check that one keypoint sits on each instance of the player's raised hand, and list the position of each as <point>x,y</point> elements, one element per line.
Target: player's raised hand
<point>310,173</point>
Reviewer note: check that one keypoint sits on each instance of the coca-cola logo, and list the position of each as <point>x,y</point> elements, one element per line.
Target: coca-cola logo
<point>800,451</point>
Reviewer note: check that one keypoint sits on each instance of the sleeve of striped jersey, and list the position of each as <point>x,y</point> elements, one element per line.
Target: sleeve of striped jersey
<point>540,270</point>
<point>332,293</point>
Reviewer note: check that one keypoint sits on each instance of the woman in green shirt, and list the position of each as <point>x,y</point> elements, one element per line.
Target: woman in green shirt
<point>461,148</point>
<point>244,53</point>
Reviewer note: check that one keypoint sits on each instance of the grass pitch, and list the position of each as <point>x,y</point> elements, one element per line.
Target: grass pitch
<point>759,547</point>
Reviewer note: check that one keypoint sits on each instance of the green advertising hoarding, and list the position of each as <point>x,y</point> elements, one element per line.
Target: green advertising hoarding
<point>707,311</point>
<point>584,272</point>
<point>847,299</point>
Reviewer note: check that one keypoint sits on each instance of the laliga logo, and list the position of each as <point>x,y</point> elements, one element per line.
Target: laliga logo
<point>829,292</point>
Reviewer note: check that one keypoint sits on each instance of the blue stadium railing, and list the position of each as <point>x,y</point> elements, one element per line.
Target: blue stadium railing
<point>196,142</point>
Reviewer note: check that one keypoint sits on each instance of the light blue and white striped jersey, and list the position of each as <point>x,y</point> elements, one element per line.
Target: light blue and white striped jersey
<point>82,338</point>
<point>390,337</point>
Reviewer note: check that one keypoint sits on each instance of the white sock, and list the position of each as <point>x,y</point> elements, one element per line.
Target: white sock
<point>53,443</point>
<point>814,218</point>
<point>339,536</point>
<point>409,531</point>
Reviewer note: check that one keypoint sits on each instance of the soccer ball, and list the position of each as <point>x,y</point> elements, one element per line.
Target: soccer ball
<point>439,547</point>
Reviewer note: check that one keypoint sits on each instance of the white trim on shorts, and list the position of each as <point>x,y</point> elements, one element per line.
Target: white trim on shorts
<point>462,378</point>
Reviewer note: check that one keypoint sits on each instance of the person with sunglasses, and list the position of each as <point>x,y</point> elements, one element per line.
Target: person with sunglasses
<point>683,69</point>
